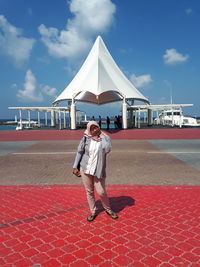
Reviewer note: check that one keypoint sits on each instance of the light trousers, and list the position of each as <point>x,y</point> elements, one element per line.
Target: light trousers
<point>90,182</point>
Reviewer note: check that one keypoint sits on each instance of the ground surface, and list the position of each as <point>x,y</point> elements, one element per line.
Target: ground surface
<point>146,162</point>
<point>153,184</point>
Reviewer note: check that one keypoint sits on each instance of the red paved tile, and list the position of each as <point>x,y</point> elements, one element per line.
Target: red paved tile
<point>147,232</point>
<point>139,134</point>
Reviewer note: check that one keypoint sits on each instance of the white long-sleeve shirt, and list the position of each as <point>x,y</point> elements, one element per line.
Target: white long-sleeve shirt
<point>93,157</point>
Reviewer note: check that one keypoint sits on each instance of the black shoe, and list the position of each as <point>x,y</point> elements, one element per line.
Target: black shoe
<point>112,214</point>
<point>91,217</point>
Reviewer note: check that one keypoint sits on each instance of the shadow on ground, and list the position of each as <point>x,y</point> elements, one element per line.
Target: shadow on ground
<point>117,203</point>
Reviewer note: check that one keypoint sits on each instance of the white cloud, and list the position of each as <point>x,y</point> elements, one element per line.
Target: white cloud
<point>12,43</point>
<point>172,57</point>
<point>34,92</point>
<point>141,81</point>
<point>91,17</point>
<point>71,70</point>
<point>188,11</point>
<point>30,94</point>
<point>50,91</point>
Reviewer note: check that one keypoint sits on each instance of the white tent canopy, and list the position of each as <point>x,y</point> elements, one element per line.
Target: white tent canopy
<point>99,80</point>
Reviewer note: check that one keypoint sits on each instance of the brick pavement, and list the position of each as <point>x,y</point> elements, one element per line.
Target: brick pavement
<point>46,226</point>
<point>130,162</point>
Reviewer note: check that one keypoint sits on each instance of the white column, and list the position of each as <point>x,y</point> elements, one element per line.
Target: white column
<point>181,119</point>
<point>64,115</point>
<point>124,115</point>
<point>38,119</point>
<point>139,118</point>
<point>52,118</point>
<point>68,119</point>
<point>20,119</point>
<point>60,121</point>
<point>73,115</point>
<point>56,118</point>
<point>172,118</point>
<point>29,118</point>
<point>45,118</point>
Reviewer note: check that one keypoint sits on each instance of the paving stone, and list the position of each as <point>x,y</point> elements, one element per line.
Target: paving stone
<point>179,261</point>
<point>51,263</point>
<point>29,252</point>
<point>55,253</point>
<point>162,256</point>
<point>79,263</point>
<point>46,226</point>
<point>151,261</point>
<point>122,260</point>
<point>32,164</point>
<point>191,257</point>
<point>135,255</point>
<point>82,253</point>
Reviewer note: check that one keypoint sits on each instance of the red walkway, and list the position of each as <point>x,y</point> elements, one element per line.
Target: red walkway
<point>46,226</point>
<point>139,134</point>
<point>43,226</point>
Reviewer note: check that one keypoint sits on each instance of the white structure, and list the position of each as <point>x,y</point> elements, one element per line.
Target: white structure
<point>171,114</point>
<point>99,81</point>
<point>175,117</point>
<point>29,123</point>
<point>59,114</point>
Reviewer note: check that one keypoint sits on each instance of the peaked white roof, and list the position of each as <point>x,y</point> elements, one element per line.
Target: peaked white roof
<point>99,80</point>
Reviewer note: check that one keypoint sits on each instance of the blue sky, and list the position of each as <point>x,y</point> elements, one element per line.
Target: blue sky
<point>43,44</point>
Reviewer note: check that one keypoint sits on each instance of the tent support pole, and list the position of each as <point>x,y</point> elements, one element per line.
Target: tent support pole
<point>60,120</point>
<point>52,118</point>
<point>149,117</point>
<point>38,119</point>
<point>20,119</point>
<point>139,118</point>
<point>124,114</point>
<point>64,115</point>
<point>73,115</point>
<point>45,118</point>
<point>29,118</point>
<point>56,117</point>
